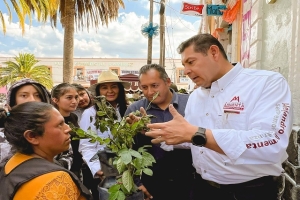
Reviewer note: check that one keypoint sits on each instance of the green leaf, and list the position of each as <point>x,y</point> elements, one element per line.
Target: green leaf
<point>142,149</point>
<point>120,166</point>
<point>119,195</point>
<point>148,171</point>
<point>127,180</point>
<point>126,157</point>
<point>138,172</point>
<point>148,159</point>
<point>101,113</point>
<point>114,188</point>
<point>155,96</point>
<point>103,127</point>
<point>134,125</point>
<point>137,163</point>
<point>135,153</point>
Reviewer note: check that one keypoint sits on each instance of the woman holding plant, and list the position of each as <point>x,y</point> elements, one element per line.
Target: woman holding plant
<point>112,88</point>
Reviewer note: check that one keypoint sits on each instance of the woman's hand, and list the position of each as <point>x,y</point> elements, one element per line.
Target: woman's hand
<point>147,195</point>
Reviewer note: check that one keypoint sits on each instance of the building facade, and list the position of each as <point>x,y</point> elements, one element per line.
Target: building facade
<point>87,69</point>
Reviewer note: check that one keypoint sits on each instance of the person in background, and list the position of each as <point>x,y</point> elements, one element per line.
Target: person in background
<point>173,171</point>
<point>5,147</point>
<point>174,87</point>
<point>85,100</point>
<point>112,88</point>
<point>21,91</point>
<point>239,136</point>
<point>65,99</point>
<point>38,133</point>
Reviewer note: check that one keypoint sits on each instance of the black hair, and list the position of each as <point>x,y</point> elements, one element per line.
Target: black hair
<point>36,86</point>
<point>121,98</point>
<point>161,70</point>
<point>202,43</point>
<point>3,115</point>
<point>61,89</point>
<point>26,116</point>
<point>79,88</point>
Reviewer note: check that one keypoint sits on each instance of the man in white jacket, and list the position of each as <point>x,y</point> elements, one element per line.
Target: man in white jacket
<point>239,134</point>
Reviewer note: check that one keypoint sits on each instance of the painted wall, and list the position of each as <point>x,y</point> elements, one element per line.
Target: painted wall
<point>274,42</point>
<point>276,37</point>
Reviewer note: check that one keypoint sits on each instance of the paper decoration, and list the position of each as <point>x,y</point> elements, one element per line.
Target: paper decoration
<point>229,15</point>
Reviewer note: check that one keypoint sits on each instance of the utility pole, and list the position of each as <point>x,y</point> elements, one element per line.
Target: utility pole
<point>162,33</point>
<point>149,59</point>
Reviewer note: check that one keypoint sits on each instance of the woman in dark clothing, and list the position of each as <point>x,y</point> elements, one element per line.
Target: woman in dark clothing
<point>24,90</point>
<point>65,99</point>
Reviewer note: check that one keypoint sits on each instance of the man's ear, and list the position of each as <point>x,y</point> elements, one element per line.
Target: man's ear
<point>215,51</point>
<point>31,137</point>
<point>168,82</point>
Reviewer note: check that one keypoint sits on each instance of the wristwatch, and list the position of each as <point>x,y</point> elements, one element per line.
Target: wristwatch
<point>199,139</point>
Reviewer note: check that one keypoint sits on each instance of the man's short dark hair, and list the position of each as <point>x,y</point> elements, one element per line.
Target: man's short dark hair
<point>202,43</point>
<point>161,70</point>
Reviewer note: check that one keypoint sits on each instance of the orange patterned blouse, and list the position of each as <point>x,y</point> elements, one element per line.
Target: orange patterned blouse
<point>51,186</point>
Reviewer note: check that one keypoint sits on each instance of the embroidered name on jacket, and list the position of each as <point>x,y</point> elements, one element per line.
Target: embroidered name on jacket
<point>284,112</point>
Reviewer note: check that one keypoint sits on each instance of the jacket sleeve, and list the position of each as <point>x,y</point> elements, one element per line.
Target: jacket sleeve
<point>87,149</point>
<point>269,126</point>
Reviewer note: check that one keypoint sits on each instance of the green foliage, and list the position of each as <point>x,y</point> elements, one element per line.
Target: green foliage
<point>128,162</point>
<point>25,66</point>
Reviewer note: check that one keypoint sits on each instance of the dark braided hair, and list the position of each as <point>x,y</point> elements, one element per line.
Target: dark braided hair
<point>26,116</point>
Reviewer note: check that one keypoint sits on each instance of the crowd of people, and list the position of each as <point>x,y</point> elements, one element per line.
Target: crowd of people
<point>226,140</point>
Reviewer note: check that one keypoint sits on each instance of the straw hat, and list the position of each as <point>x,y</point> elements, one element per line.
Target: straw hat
<point>108,77</point>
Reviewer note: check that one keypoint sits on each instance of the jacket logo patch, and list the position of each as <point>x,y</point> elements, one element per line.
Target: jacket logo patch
<point>234,106</point>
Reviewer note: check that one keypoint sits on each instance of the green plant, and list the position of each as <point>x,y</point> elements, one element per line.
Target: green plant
<point>127,161</point>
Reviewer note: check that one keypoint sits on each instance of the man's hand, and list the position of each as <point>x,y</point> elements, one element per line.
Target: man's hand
<point>147,195</point>
<point>176,131</point>
<point>100,174</point>
<point>133,118</point>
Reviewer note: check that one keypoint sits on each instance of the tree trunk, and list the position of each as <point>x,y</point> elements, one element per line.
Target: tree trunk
<point>68,24</point>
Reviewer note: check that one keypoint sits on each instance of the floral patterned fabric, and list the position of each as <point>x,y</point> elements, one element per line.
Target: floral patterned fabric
<point>56,185</point>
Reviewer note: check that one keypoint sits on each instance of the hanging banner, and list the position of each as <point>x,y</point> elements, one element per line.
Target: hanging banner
<point>215,10</point>
<point>92,74</point>
<point>195,9</point>
<point>191,9</point>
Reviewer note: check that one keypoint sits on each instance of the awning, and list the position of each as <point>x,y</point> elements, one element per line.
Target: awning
<point>133,79</point>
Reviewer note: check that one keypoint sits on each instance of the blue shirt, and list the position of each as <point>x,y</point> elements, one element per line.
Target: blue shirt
<point>171,166</point>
